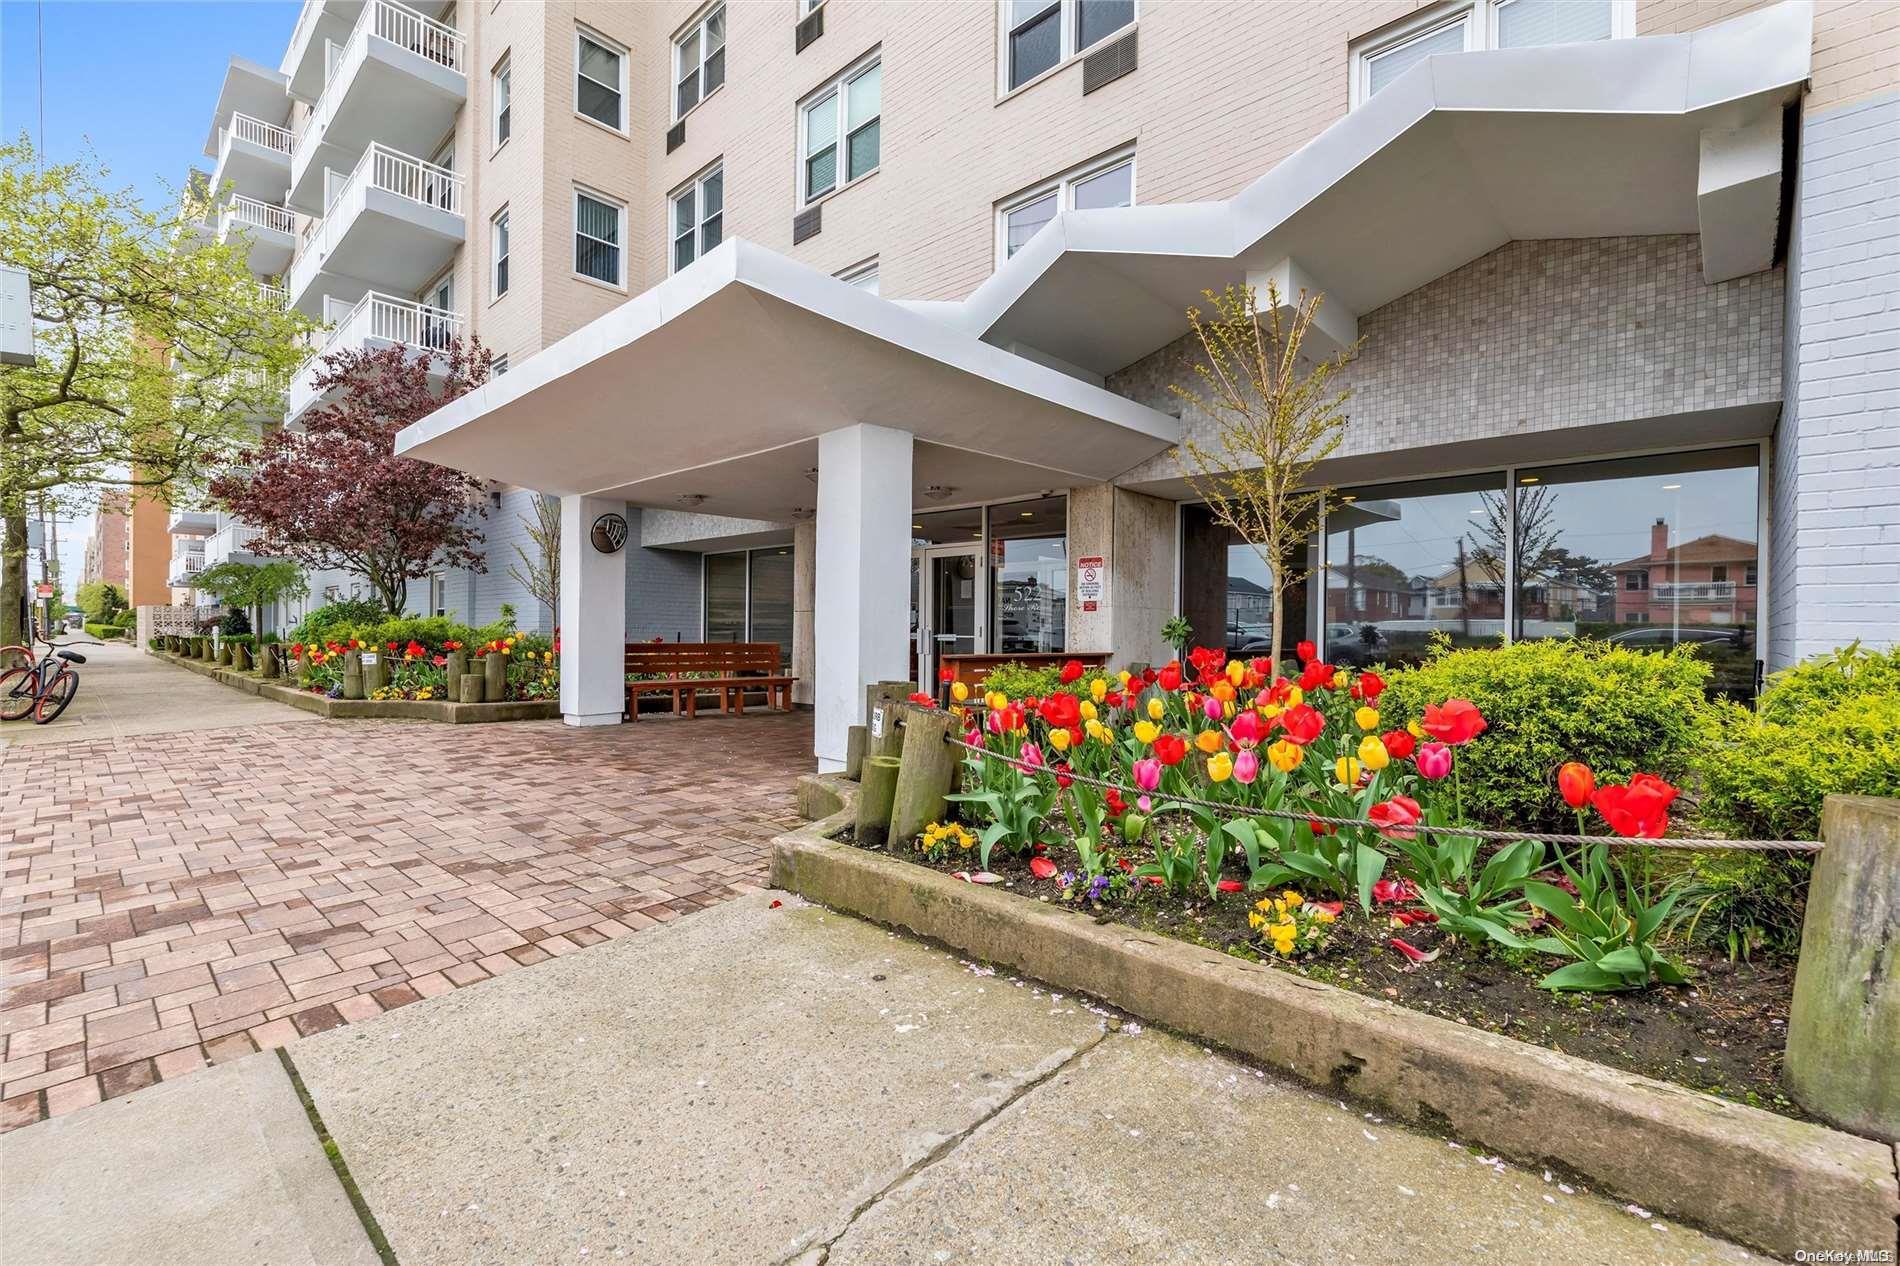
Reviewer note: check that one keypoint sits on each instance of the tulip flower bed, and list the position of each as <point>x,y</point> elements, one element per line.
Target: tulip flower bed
<point>418,671</point>
<point>1290,821</point>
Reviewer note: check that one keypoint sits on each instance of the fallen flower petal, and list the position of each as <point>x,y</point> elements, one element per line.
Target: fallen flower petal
<point>776,903</point>
<point>1412,952</point>
<point>1041,867</point>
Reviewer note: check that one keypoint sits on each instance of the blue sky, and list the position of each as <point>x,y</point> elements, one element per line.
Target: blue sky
<point>138,81</point>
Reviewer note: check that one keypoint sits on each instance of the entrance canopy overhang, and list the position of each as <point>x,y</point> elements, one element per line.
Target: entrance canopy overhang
<point>1458,156</point>
<point>711,390</point>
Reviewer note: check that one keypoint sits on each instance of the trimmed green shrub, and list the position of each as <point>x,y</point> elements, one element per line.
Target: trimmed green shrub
<point>1017,680</point>
<point>104,632</point>
<point>235,621</point>
<point>1827,679</point>
<point>1619,711</point>
<point>127,619</point>
<point>1765,779</point>
<point>332,621</point>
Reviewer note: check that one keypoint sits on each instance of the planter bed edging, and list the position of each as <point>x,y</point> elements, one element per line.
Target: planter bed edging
<point>409,709</point>
<point>1773,1183</point>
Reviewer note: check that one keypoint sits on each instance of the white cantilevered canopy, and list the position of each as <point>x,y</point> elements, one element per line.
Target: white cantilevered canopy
<point>1458,156</point>
<point>716,384</point>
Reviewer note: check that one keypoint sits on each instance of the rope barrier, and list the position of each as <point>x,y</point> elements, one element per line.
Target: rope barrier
<point>1469,832</point>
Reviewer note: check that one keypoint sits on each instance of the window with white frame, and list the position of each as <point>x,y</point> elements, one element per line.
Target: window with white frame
<point>1108,182</point>
<point>839,130</point>
<point>806,6</point>
<point>699,60</point>
<point>503,91</point>
<point>863,276</point>
<point>498,242</point>
<point>1039,35</point>
<point>1471,25</point>
<point>600,80</point>
<point>498,366</point>
<point>699,217</point>
<point>599,229</point>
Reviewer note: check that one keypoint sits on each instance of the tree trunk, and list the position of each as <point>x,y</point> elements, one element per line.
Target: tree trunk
<point>13,581</point>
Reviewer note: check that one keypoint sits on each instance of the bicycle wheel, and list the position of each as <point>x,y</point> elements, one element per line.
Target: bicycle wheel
<point>54,698</point>
<point>18,693</point>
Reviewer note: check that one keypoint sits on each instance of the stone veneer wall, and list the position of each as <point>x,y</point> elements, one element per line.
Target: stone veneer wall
<point>1535,336</point>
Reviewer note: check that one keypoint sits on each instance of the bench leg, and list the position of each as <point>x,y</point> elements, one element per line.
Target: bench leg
<point>738,700</point>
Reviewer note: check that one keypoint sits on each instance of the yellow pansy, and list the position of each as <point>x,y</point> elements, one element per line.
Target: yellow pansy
<point>1286,757</point>
<point>1220,766</point>
<point>1292,898</point>
<point>1372,753</point>
<point>1367,718</point>
<point>1147,731</point>
<point>1346,771</point>
<point>1208,741</point>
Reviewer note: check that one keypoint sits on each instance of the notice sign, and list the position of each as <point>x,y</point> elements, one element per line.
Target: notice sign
<point>369,659</point>
<point>43,590</point>
<point>1090,576</point>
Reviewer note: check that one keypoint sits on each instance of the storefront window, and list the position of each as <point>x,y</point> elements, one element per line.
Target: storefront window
<point>1227,590</point>
<point>1029,576</point>
<point>1649,552</point>
<point>749,597</point>
<point>1405,561</point>
<point>771,616</point>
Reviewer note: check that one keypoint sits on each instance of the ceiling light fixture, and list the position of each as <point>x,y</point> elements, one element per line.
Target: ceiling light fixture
<point>938,492</point>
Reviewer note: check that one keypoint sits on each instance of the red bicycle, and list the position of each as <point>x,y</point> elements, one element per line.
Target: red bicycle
<point>41,689</point>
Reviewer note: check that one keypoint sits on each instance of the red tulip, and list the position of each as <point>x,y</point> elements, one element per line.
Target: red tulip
<point>1169,678</point>
<point>1230,885</point>
<point>1334,908</point>
<point>1302,724</point>
<point>1640,810</point>
<point>1063,770</point>
<point>1576,783</point>
<point>1170,749</point>
<point>946,674</point>
<point>1369,687</point>
<point>1395,817</point>
<point>1062,712</point>
<point>1072,672</point>
<point>1399,744</point>
<point>923,700</point>
<point>1307,652</point>
<point>1042,867</point>
<point>1315,675</point>
<point>1457,723</point>
<point>1249,729</point>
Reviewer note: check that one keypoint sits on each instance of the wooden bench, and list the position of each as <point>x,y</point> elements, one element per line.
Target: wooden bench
<point>685,670</point>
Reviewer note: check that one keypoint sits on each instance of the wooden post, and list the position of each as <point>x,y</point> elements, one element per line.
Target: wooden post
<point>224,654</point>
<point>468,688</point>
<point>875,796</point>
<point>882,702</point>
<point>854,752</point>
<point>929,772</point>
<point>272,664</point>
<point>453,670</point>
<point>241,658</point>
<point>353,675</point>
<point>495,677</point>
<point>376,675</point>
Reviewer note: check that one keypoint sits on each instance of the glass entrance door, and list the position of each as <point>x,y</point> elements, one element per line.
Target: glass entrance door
<point>948,608</point>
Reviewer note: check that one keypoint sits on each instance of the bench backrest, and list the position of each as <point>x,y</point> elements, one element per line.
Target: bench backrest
<point>725,659</point>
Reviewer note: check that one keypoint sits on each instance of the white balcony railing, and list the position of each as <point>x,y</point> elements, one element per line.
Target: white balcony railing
<point>1693,591</point>
<point>230,539</point>
<point>381,317</point>
<point>396,172</point>
<point>401,26</point>
<point>255,214</point>
<point>257,132</point>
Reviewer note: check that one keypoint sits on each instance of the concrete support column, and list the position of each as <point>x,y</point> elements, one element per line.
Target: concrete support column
<point>860,617</point>
<point>804,603</point>
<point>1134,536</point>
<point>593,626</point>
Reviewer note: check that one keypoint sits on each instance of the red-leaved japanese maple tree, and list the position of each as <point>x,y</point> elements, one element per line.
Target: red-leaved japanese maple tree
<point>334,495</point>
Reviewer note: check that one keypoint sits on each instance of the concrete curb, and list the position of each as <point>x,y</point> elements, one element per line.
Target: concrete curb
<point>388,709</point>
<point>1769,1182</point>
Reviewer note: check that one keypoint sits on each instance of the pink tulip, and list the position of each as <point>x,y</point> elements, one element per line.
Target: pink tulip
<point>1434,760</point>
<point>1212,708</point>
<point>1246,764</point>
<point>973,736</point>
<point>1249,728</point>
<point>1148,773</point>
<point>1032,756</point>
<point>1145,804</point>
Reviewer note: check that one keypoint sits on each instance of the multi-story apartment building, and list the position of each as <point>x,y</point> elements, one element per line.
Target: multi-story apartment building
<point>867,317</point>
<point>108,556</point>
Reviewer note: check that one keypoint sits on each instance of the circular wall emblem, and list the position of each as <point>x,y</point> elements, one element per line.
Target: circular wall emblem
<point>610,533</point>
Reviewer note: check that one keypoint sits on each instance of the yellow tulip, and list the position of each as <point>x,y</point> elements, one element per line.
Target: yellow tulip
<point>1271,710</point>
<point>1156,709</point>
<point>1295,696</point>
<point>1088,711</point>
<point>1236,671</point>
<point>1103,733</point>
<point>1224,691</point>
<point>1372,753</point>
<point>1220,766</point>
<point>1340,679</point>
<point>1124,676</point>
<point>1147,731</point>
<point>1098,689</point>
<point>1286,757</point>
<point>1367,718</point>
<point>959,691</point>
<point>1208,741</point>
<point>1060,740</point>
<point>997,700</point>
<point>1346,771</point>
<point>1414,731</point>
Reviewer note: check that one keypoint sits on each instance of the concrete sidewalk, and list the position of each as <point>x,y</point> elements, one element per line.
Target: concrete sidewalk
<point>788,1085</point>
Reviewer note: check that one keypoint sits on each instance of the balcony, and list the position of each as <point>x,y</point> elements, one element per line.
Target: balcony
<point>379,321</point>
<point>399,78</point>
<point>1697,591</point>
<point>192,523</point>
<point>267,230</point>
<point>185,566</point>
<point>253,158</point>
<point>231,542</point>
<point>394,224</point>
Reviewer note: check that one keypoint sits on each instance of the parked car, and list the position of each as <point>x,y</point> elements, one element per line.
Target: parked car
<point>1355,645</point>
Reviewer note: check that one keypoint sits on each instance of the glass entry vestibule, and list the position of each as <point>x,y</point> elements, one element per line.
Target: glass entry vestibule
<point>988,580</point>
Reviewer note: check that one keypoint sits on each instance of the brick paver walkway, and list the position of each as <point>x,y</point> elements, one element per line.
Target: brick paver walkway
<point>172,900</point>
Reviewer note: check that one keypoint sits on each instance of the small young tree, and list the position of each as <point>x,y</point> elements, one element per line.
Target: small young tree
<point>540,574</point>
<point>101,600</point>
<point>1275,417</point>
<point>335,495</point>
<point>252,587</point>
